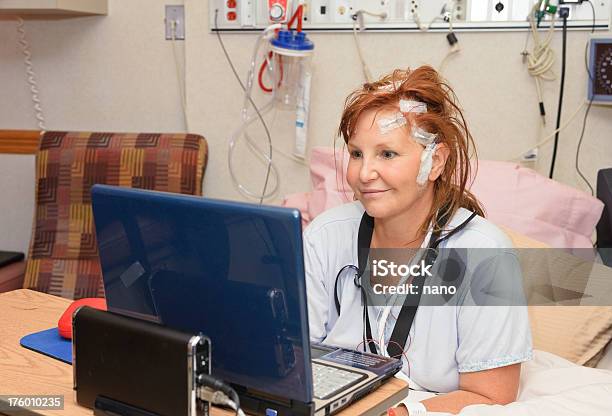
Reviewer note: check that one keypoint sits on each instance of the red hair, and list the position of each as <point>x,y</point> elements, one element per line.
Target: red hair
<point>443,118</point>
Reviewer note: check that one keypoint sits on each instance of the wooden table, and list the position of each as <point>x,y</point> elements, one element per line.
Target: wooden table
<point>26,372</point>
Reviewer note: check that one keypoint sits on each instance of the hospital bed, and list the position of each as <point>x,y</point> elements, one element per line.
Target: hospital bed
<point>571,373</point>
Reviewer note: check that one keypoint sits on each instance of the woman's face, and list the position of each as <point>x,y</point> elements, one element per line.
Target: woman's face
<point>382,168</point>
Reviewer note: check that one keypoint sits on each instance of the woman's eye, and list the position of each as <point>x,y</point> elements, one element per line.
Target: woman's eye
<point>356,154</point>
<point>388,154</point>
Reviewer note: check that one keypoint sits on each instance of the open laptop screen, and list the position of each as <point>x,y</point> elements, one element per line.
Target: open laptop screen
<point>232,271</point>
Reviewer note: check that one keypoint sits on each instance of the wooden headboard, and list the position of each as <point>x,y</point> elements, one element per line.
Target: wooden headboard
<point>24,142</point>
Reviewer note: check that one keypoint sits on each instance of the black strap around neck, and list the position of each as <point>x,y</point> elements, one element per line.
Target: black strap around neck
<point>364,241</point>
<point>401,330</point>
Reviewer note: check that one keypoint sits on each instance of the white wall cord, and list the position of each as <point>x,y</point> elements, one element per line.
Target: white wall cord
<point>548,138</point>
<point>454,49</point>
<point>425,27</point>
<point>182,85</point>
<point>541,67</point>
<point>542,57</point>
<point>358,20</point>
<point>30,74</point>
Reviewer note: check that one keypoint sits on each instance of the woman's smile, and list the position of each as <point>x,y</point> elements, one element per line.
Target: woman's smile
<point>373,193</point>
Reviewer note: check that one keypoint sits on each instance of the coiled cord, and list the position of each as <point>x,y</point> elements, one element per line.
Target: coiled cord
<point>31,75</point>
<point>541,58</point>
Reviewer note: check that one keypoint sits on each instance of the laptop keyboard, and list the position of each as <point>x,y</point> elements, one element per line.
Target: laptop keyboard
<point>330,380</point>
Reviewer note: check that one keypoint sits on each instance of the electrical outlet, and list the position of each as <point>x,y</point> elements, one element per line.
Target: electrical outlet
<point>343,11</point>
<point>175,14</point>
<point>460,9</point>
<point>530,155</point>
<point>247,13</point>
<point>305,12</point>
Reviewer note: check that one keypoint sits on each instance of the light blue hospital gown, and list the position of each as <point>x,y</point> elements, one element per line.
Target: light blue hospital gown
<point>444,340</point>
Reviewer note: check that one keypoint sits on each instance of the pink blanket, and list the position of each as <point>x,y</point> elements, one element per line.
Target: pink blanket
<point>513,196</point>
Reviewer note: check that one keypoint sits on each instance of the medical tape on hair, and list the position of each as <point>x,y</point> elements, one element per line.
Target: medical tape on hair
<point>387,124</point>
<point>426,163</point>
<point>391,86</point>
<point>423,137</point>
<point>409,106</point>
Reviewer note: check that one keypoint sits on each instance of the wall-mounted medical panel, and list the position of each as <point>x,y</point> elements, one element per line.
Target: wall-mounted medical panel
<point>600,65</point>
<point>406,15</point>
<point>56,8</point>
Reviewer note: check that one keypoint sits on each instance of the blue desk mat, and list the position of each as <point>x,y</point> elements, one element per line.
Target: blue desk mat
<point>50,343</point>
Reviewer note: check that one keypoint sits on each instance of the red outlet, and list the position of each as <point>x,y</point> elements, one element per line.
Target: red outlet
<point>231,4</point>
<point>231,16</point>
<point>277,10</point>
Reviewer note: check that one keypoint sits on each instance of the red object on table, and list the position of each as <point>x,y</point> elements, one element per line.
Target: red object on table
<point>64,325</point>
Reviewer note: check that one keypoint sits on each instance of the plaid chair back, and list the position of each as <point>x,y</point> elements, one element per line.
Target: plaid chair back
<point>63,258</point>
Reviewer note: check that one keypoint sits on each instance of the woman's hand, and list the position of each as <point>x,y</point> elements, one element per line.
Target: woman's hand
<point>495,386</point>
<point>397,411</point>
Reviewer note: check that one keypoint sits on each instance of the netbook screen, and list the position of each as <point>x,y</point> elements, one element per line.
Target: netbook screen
<point>231,271</point>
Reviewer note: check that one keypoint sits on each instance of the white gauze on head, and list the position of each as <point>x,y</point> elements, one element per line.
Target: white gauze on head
<point>385,125</point>
<point>429,141</point>
<point>411,106</point>
<point>418,134</point>
<point>398,120</point>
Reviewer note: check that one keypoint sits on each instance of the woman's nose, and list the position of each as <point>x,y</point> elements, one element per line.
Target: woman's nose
<point>368,170</point>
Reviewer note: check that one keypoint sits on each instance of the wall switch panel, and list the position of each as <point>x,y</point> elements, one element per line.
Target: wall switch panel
<point>468,15</point>
<point>175,14</point>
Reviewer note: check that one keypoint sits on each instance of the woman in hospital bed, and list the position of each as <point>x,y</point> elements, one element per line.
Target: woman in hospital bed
<point>409,149</point>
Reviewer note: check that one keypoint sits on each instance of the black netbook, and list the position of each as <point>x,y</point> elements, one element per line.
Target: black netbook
<point>234,272</point>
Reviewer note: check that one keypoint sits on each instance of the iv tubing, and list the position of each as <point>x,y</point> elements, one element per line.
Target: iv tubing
<point>241,130</point>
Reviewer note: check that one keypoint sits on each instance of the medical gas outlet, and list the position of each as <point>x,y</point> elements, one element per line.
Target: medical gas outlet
<point>277,10</point>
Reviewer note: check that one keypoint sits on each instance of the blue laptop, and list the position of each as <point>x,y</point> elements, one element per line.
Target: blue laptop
<point>235,272</point>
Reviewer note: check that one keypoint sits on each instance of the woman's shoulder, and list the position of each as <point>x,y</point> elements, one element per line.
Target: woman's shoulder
<point>340,218</point>
<point>478,233</point>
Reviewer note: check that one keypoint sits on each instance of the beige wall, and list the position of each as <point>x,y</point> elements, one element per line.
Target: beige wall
<point>117,73</point>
